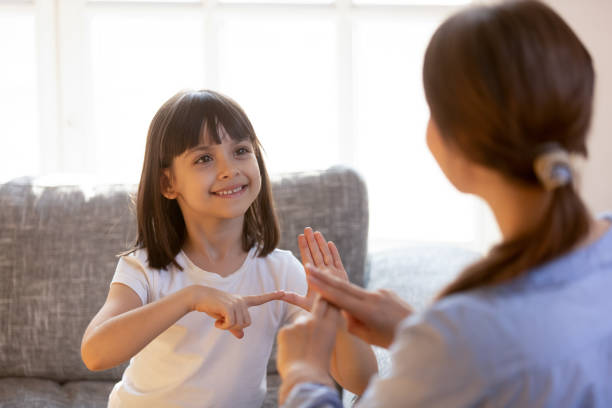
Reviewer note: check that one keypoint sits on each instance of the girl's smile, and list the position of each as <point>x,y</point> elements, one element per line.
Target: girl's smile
<point>231,192</point>
<point>215,181</point>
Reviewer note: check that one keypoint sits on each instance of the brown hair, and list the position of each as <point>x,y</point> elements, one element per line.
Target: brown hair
<point>177,126</point>
<point>501,81</point>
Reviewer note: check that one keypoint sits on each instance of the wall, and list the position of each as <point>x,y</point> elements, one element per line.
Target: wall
<point>591,19</point>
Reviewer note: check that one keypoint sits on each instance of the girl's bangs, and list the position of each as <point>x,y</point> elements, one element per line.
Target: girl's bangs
<point>197,120</point>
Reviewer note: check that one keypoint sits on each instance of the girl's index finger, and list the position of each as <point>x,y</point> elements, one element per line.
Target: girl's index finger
<point>256,300</point>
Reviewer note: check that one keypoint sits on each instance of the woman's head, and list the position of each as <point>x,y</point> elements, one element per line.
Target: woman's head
<point>503,80</point>
<point>502,83</point>
<point>188,133</point>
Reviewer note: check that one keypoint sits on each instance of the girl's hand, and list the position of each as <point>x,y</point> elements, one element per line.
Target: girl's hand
<point>305,348</point>
<point>314,250</point>
<point>230,311</point>
<point>372,316</point>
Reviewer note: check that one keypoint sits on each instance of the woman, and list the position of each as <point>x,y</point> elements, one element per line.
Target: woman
<point>510,90</point>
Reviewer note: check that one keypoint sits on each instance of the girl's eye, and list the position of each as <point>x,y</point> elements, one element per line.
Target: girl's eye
<point>242,150</point>
<point>204,159</point>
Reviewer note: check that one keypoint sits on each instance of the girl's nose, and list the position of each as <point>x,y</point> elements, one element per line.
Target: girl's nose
<point>227,169</point>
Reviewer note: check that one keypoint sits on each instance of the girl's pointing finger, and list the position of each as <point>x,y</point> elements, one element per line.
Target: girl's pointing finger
<point>256,300</point>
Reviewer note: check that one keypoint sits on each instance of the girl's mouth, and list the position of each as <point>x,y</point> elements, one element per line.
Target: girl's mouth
<point>230,193</point>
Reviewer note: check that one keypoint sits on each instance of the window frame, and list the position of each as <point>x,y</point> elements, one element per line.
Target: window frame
<point>64,73</point>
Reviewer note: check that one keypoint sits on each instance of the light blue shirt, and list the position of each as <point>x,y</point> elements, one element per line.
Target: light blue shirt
<point>542,340</point>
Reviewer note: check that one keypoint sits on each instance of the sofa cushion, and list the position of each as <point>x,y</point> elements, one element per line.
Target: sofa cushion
<point>57,256</point>
<point>417,272</point>
<point>58,247</point>
<point>35,392</point>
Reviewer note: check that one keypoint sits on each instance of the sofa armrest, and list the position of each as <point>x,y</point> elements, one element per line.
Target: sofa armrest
<point>417,272</point>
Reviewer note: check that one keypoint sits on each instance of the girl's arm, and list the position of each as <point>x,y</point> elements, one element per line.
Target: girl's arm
<point>123,326</point>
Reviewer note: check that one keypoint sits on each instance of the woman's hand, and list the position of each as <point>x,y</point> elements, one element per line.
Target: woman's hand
<point>315,250</point>
<point>372,316</point>
<point>231,312</point>
<point>305,348</point>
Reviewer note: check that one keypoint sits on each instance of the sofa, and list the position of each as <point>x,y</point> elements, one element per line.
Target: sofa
<point>58,244</point>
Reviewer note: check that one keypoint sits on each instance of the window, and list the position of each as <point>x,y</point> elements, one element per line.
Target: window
<point>18,92</point>
<point>324,82</point>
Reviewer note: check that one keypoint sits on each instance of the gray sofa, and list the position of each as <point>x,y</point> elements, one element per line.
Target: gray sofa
<point>58,247</point>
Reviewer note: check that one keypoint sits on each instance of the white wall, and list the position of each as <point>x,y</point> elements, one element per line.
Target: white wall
<point>592,21</point>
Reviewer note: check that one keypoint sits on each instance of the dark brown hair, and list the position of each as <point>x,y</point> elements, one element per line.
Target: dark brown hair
<point>501,81</point>
<point>177,126</point>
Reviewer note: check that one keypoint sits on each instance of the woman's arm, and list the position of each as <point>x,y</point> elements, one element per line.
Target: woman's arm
<point>123,326</point>
<point>435,356</point>
<point>305,347</point>
<point>352,362</point>
<point>371,315</point>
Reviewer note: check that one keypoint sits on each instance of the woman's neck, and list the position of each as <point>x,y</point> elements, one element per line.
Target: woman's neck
<point>516,208</point>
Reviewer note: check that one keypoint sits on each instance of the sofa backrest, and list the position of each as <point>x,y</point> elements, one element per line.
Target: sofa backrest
<point>58,247</point>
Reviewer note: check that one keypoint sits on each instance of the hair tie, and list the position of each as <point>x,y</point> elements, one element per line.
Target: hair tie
<point>553,166</point>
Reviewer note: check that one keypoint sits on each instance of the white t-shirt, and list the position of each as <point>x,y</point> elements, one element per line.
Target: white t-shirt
<point>192,363</point>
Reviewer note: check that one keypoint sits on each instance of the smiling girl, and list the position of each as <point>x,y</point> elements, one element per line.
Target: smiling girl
<point>205,255</point>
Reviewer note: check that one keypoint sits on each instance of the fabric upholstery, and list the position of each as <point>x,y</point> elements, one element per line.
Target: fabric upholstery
<point>39,393</point>
<point>58,247</point>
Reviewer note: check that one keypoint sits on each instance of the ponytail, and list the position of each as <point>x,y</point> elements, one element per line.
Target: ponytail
<point>564,225</point>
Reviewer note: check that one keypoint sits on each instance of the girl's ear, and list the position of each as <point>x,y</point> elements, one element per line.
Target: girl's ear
<point>165,183</point>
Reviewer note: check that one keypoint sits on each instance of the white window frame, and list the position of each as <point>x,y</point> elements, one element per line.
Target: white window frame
<point>64,72</point>
<point>65,91</point>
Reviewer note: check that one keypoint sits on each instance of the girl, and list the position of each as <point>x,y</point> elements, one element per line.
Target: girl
<point>510,90</point>
<point>207,233</point>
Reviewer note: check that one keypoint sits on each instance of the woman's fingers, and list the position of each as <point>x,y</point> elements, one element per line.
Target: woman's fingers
<point>331,281</point>
<point>340,293</point>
